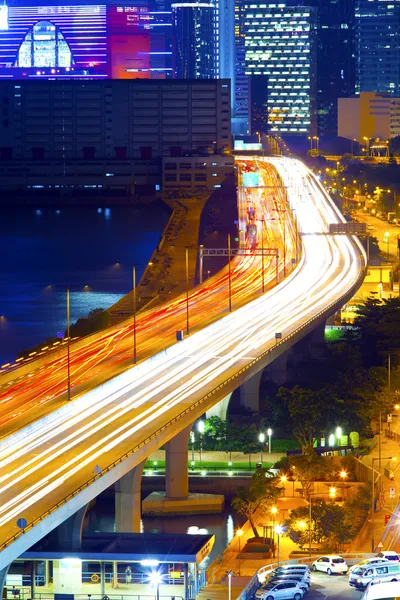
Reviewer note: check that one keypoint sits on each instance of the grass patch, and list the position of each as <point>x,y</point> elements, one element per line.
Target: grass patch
<point>211,466</point>
<point>334,335</point>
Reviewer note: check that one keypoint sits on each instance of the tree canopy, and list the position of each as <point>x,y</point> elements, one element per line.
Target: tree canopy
<point>263,492</point>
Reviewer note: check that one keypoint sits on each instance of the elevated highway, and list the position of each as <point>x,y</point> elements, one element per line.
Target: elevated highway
<point>56,464</point>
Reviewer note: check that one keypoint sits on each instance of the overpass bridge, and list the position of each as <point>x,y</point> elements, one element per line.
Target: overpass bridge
<point>53,466</point>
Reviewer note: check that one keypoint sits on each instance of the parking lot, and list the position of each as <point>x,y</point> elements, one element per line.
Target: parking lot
<point>334,587</point>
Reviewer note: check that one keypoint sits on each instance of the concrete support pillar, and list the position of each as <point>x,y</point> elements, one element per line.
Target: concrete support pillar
<point>33,575</point>
<point>69,533</point>
<point>250,392</point>
<point>46,573</point>
<point>176,466</point>
<point>115,574</point>
<point>3,577</point>
<point>220,409</point>
<point>102,578</point>
<point>128,512</point>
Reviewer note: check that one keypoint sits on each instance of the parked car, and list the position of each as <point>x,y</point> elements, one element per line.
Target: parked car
<point>303,582</point>
<point>369,561</point>
<point>382,590</point>
<point>330,563</point>
<point>282,590</point>
<point>284,570</point>
<point>292,572</point>
<point>389,555</point>
<point>362,576</point>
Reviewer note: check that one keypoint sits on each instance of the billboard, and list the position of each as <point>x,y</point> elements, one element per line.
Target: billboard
<point>129,39</point>
<point>53,40</point>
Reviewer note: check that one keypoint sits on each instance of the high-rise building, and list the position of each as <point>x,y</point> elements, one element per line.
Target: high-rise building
<point>371,115</point>
<point>194,38</point>
<point>335,68</point>
<point>240,88</point>
<point>280,43</point>
<point>378,46</point>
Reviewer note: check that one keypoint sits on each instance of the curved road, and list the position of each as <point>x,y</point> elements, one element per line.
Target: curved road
<point>43,463</point>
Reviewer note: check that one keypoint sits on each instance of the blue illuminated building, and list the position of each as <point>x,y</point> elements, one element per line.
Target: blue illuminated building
<point>194,36</point>
<point>378,46</point>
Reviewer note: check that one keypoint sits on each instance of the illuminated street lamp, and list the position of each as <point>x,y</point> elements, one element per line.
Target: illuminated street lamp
<point>192,439</point>
<point>155,579</point>
<point>261,439</point>
<point>269,433</point>
<point>239,533</point>
<point>284,480</point>
<point>279,531</point>
<point>339,435</point>
<point>343,476</point>
<point>386,236</point>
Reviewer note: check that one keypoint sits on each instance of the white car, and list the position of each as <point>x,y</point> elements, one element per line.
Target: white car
<point>386,590</point>
<point>284,590</point>
<point>331,564</point>
<point>389,555</point>
<point>376,560</point>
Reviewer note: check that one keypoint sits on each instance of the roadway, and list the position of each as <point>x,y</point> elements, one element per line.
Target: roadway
<point>335,587</point>
<point>50,459</point>
<point>25,397</point>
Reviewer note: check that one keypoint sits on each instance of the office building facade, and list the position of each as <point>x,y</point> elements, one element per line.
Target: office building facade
<point>378,46</point>
<point>194,29</point>
<point>280,44</point>
<point>335,60</point>
<point>369,116</point>
<point>106,134</point>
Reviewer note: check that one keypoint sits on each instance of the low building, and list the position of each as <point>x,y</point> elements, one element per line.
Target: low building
<point>196,172</point>
<point>108,135</point>
<point>372,115</point>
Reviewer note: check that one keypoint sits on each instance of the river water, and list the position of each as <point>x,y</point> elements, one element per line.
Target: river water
<point>45,250</point>
<point>101,517</point>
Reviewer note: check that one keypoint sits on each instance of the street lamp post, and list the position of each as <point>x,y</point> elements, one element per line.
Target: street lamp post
<point>200,427</point>
<point>373,499</point>
<point>187,289</point>
<point>386,239</point>
<point>343,476</point>
<point>229,273</point>
<point>68,347</point>
<point>261,439</point>
<point>339,436</point>
<point>192,440</point>
<point>284,480</point>
<point>269,433</point>
<point>239,534</point>
<point>279,531</point>
<point>134,314</point>
<point>332,494</point>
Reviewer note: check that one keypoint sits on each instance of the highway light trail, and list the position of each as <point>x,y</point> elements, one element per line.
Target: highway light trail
<point>43,463</point>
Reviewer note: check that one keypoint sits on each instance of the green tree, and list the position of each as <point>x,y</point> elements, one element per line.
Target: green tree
<point>309,468</point>
<point>307,414</point>
<point>328,522</point>
<point>263,492</point>
<point>378,328</point>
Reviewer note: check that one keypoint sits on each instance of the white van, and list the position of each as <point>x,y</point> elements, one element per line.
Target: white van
<point>362,576</point>
<point>386,590</point>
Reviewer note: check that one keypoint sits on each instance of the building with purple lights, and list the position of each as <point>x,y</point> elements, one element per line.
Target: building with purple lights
<point>95,41</point>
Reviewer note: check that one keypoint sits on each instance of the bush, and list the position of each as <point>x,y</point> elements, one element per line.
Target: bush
<point>284,445</point>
